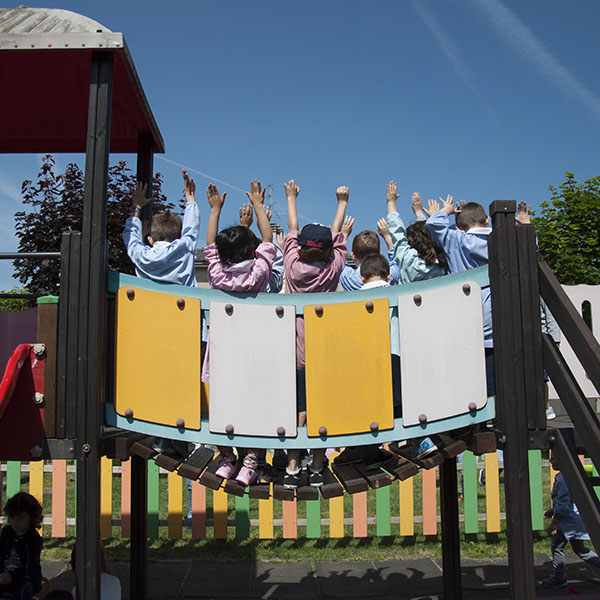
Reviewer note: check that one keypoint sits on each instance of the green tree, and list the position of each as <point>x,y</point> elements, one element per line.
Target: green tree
<point>55,204</point>
<point>569,231</point>
<point>16,304</point>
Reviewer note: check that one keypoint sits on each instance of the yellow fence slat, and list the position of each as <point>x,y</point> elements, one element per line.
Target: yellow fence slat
<point>175,505</point>
<point>220,514</point>
<point>492,492</point>
<point>126,498</point>
<point>106,497</point>
<point>36,482</point>
<point>265,519</point>
<point>336,517</point>
<point>407,507</point>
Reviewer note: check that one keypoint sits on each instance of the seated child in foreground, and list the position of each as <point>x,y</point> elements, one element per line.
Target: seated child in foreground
<point>238,262</point>
<point>21,548</point>
<point>313,260</point>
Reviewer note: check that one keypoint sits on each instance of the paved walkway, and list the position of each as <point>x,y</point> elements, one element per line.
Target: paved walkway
<point>483,579</point>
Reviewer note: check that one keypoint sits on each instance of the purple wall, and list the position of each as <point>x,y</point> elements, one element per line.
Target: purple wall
<point>16,328</point>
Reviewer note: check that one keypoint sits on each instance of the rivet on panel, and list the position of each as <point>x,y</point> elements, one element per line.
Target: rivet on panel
<point>417,299</point>
<point>370,307</point>
<point>180,423</point>
<point>39,349</point>
<point>374,426</point>
<point>279,311</point>
<point>129,413</point>
<point>130,293</point>
<point>322,431</point>
<point>86,448</point>
<point>472,407</point>
<point>36,452</point>
<point>319,310</point>
<point>180,303</point>
<point>466,288</point>
<point>281,431</point>
<point>38,398</point>
<point>422,419</point>
<point>229,309</point>
<point>229,429</point>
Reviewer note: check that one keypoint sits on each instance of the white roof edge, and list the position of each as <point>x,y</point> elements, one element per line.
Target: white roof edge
<point>62,41</point>
<point>25,20</point>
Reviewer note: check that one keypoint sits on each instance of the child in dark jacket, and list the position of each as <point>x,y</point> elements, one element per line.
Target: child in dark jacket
<point>20,548</point>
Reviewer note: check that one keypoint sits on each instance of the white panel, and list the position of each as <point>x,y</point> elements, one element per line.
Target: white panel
<point>578,294</point>
<point>252,369</point>
<point>441,353</point>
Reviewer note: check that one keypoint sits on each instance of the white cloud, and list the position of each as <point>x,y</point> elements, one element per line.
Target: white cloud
<point>525,43</point>
<point>453,54</point>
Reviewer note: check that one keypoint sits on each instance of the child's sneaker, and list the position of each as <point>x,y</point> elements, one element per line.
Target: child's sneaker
<point>228,468</point>
<point>291,480</point>
<point>350,456</point>
<point>550,414</point>
<point>264,473</point>
<point>424,448</point>
<point>315,478</point>
<point>482,477</point>
<point>249,470</point>
<point>555,581</point>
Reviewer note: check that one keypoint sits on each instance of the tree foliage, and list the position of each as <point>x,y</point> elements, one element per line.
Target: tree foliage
<point>55,205</point>
<point>16,304</point>
<point>569,231</point>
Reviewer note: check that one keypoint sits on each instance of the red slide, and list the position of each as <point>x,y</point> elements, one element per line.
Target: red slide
<point>21,405</point>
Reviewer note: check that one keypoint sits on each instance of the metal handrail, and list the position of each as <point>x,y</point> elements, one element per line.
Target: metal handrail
<point>14,255</point>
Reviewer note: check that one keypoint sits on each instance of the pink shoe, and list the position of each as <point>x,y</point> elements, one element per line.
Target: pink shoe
<point>227,468</point>
<point>249,470</point>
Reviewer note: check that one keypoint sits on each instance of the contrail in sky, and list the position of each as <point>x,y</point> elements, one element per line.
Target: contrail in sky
<point>452,53</point>
<point>524,42</point>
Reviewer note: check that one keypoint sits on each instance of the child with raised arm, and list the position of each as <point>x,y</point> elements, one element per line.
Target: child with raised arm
<point>170,256</point>
<point>238,262</point>
<point>313,260</point>
<point>566,527</point>
<point>21,548</point>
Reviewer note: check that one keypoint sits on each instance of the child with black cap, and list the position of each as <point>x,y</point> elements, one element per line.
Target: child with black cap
<point>313,260</point>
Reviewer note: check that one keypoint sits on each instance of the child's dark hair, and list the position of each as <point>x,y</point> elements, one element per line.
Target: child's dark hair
<point>236,244</point>
<point>420,239</point>
<point>375,265</point>
<point>25,503</point>
<point>364,243</point>
<point>310,254</point>
<point>471,215</point>
<point>166,227</point>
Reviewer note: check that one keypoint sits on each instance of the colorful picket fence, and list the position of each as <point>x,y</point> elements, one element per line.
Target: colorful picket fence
<point>405,508</point>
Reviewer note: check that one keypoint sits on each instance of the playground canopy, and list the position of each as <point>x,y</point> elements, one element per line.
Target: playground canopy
<point>45,60</point>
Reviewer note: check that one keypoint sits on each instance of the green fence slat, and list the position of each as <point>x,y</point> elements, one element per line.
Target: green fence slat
<point>470,492</point>
<point>152,499</point>
<point>242,517</point>
<point>13,478</point>
<point>382,504</point>
<point>313,518</point>
<point>535,490</point>
<point>596,488</point>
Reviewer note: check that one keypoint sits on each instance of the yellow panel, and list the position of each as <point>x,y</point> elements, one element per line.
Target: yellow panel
<point>158,358</point>
<point>348,367</point>
<point>492,493</point>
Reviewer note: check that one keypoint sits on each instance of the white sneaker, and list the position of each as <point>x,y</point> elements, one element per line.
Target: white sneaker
<point>550,414</point>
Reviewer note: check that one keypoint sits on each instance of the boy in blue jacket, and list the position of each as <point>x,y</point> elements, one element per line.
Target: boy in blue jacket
<point>566,526</point>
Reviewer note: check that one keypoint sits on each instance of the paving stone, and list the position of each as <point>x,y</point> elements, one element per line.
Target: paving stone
<point>350,579</point>
<point>218,580</point>
<point>415,576</point>
<point>283,580</point>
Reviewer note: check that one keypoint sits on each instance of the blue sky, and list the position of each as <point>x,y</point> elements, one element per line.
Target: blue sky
<point>482,99</point>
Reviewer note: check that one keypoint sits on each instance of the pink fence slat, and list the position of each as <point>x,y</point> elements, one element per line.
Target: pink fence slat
<point>59,498</point>
<point>198,511</point>
<point>290,521</point>
<point>125,498</point>
<point>429,502</point>
<point>359,514</point>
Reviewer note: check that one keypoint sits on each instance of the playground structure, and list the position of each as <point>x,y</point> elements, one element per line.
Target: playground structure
<point>106,379</point>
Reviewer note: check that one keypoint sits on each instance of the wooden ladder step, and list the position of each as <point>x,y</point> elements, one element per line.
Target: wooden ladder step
<point>331,487</point>
<point>208,478</point>
<point>350,478</point>
<point>195,463</point>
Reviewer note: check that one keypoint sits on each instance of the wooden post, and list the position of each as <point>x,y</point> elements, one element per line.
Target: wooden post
<point>450,531</point>
<point>511,399</point>
<point>92,339</point>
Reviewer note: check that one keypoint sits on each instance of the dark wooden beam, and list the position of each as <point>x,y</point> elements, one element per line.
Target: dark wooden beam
<point>138,584</point>
<point>452,584</point>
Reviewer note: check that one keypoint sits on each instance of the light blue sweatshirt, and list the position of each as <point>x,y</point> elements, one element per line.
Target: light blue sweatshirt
<point>350,278</point>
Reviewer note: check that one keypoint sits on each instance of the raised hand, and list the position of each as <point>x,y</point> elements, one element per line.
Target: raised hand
<point>214,198</point>
<point>257,194</point>
<point>448,205</point>
<point>342,193</point>
<point>269,212</point>
<point>139,195</point>
<point>347,226</point>
<point>384,232</point>
<point>246,215</point>
<point>291,189</point>
<point>279,237</point>
<point>417,205</point>
<point>391,196</point>
<point>432,206</point>
<point>523,213</point>
<point>189,187</point>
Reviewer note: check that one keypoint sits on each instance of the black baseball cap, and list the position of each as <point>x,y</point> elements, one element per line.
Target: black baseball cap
<point>314,235</point>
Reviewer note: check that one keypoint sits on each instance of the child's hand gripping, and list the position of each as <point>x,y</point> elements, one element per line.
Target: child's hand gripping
<point>523,213</point>
<point>257,198</point>
<point>291,193</point>
<point>189,187</point>
<point>139,200</point>
<point>384,232</point>
<point>216,202</point>
<point>417,206</point>
<point>347,226</point>
<point>5,579</point>
<point>342,194</point>
<point>246,215</point>
<point>391,197</point>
